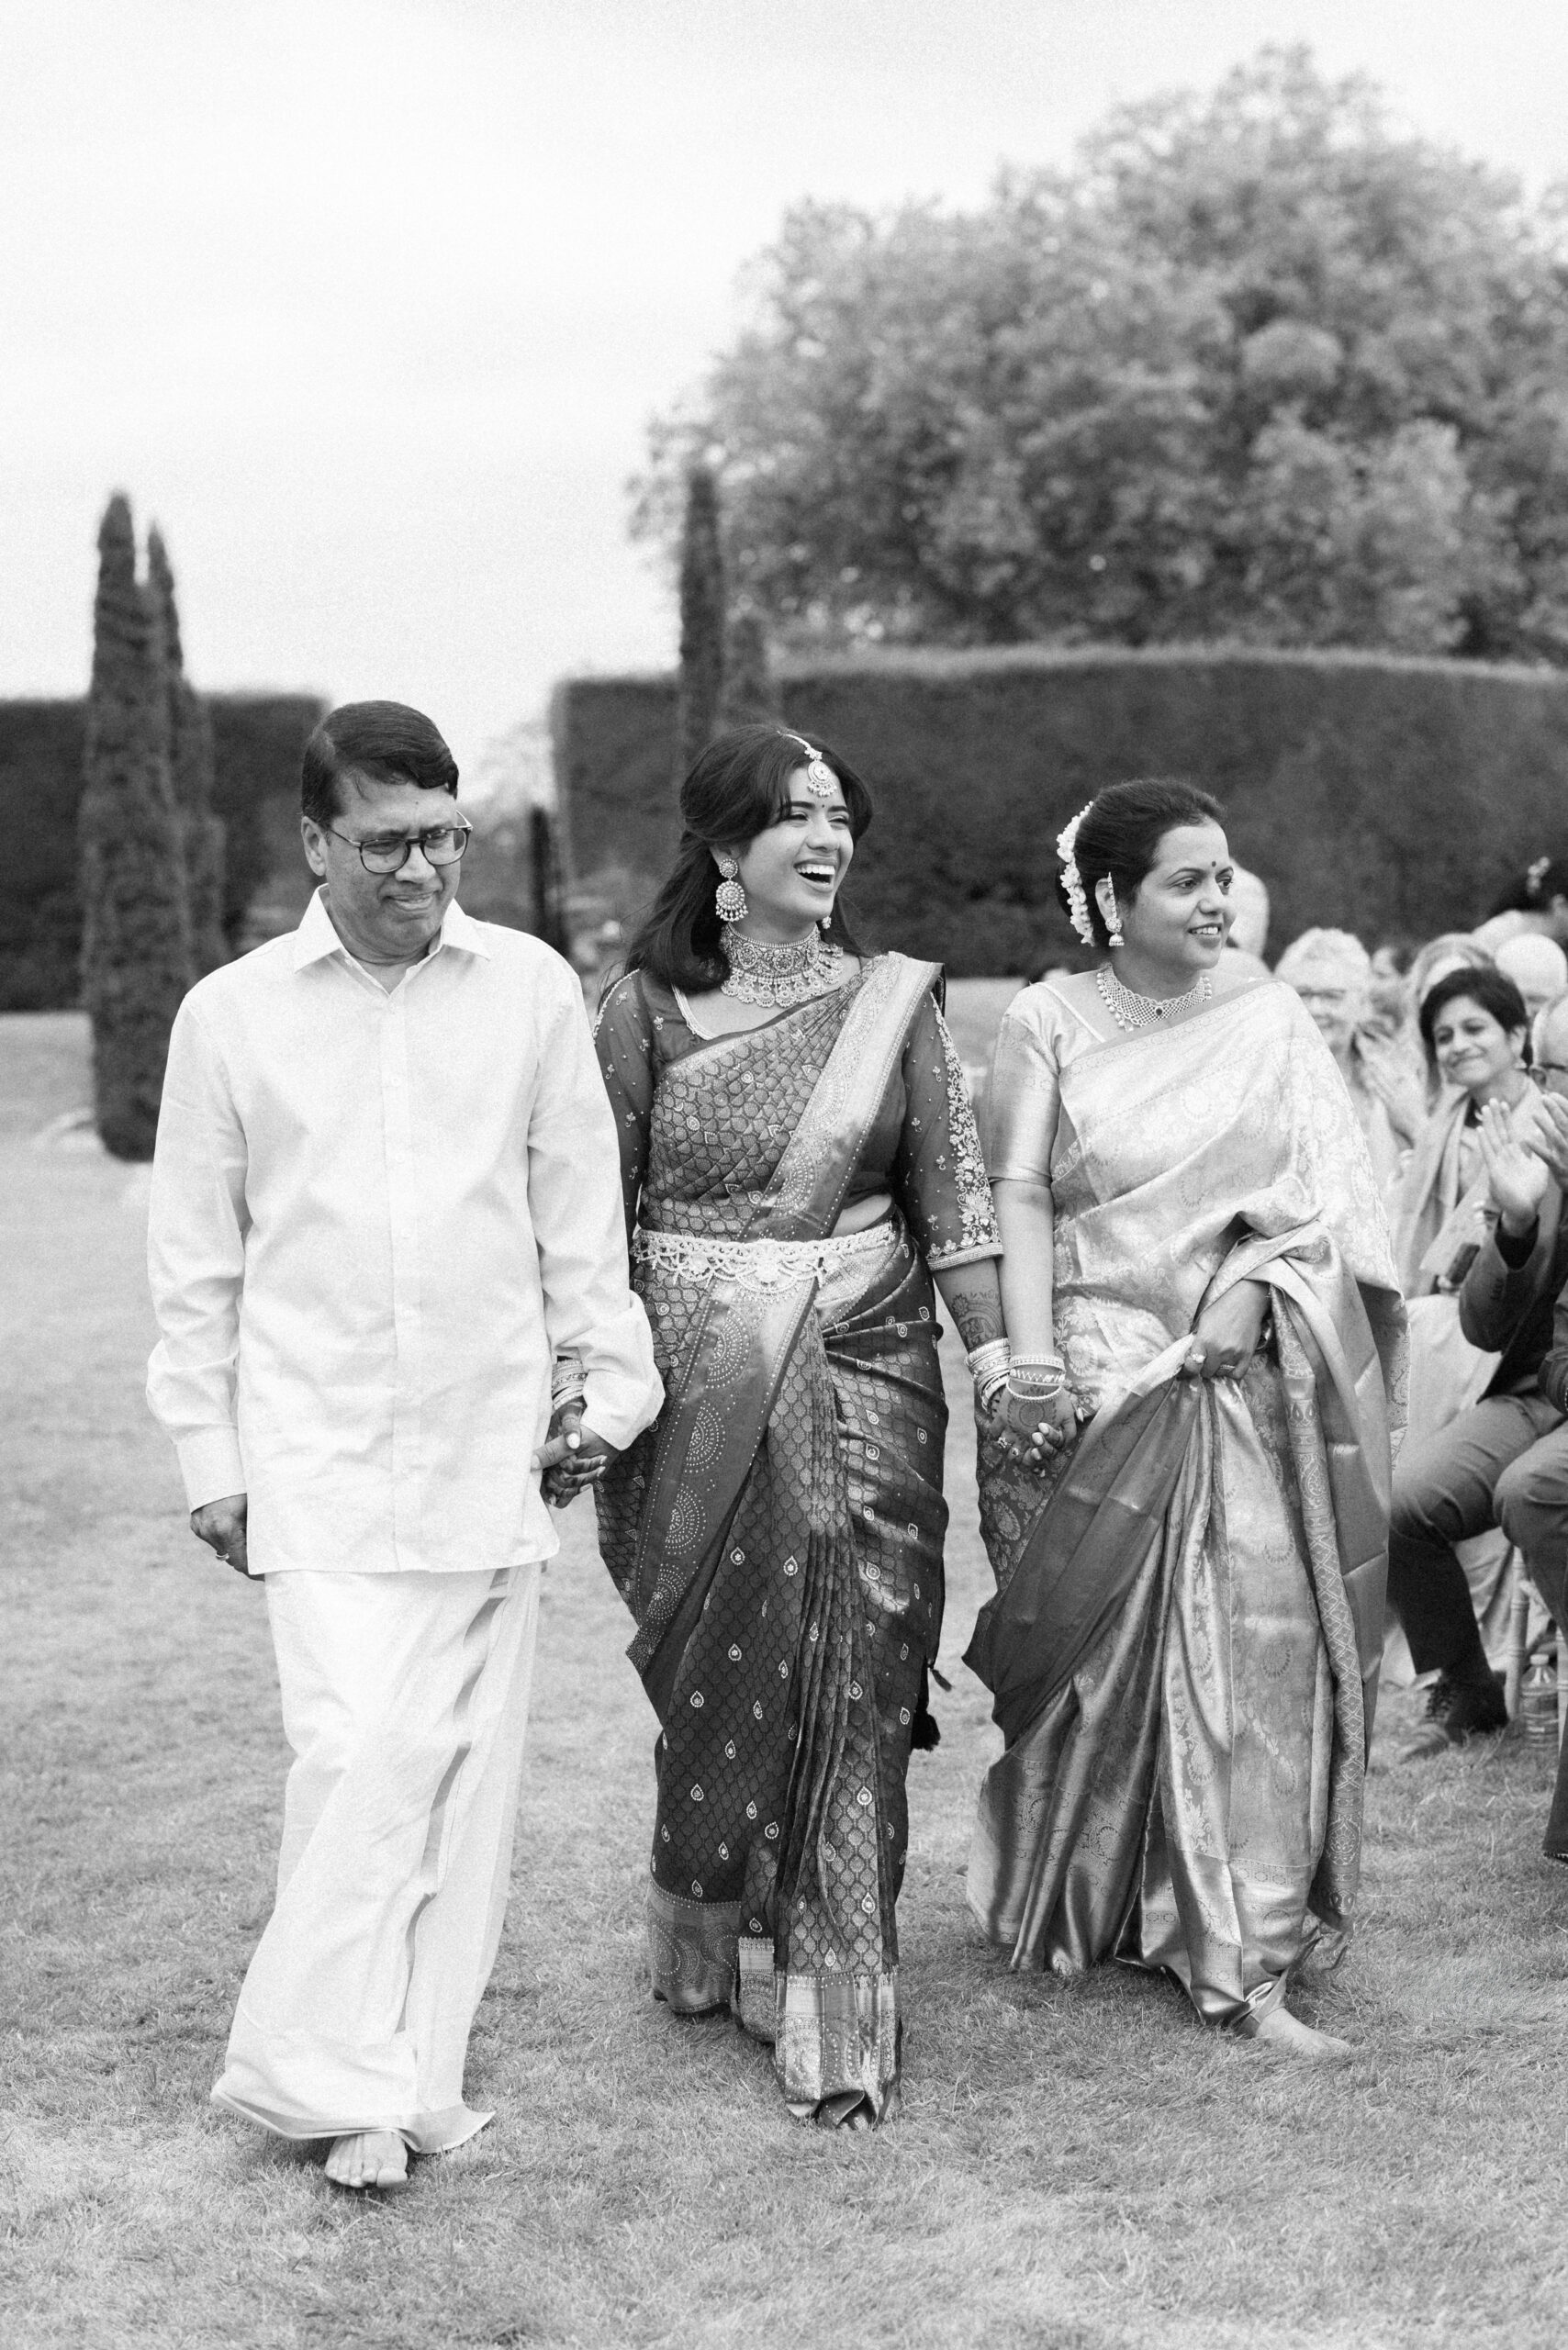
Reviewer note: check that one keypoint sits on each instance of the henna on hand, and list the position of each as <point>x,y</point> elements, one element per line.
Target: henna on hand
<point>977,1313</point>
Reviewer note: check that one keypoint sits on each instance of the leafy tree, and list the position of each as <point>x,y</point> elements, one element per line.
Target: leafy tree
<point>191,772</point>
<point>1259,366</point>
<point>701,616</point>
<point>749,693</point>
<point>136,948</point>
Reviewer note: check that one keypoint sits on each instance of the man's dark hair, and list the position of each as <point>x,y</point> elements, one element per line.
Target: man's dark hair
<point>386,742</point>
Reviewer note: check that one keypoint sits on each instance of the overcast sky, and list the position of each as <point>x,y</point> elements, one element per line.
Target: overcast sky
<point>368,302</point>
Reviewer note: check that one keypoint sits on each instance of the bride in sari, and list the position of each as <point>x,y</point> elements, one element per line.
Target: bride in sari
<point>800,1158</point>
<point>1191,1563</point>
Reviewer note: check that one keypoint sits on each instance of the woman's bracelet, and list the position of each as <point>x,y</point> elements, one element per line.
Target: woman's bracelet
<point>984,1360</point>
<point>1035,1387</point>
<point>1040,1362</point>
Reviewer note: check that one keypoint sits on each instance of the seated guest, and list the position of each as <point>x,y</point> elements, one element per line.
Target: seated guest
<point>1451,951</point>
<point>1331,971</point>
<point>1390,1015</point>
<point>1472,1025</point>
<point>1248,924</point>
<point>1503,1460</point>
<point>1536,902</point>
<point>1538,967</point>
<point>1533,1496</point>
<point>1475,1031</point>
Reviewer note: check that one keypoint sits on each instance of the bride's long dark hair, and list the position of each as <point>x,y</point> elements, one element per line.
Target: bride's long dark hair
<point>736,789</point>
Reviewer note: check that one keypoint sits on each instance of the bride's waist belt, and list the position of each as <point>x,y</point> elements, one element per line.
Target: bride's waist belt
<point>758,1264</point>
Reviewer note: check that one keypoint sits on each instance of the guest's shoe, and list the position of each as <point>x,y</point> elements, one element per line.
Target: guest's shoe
<point>1475,1708</point>
<point>1459,1708</point>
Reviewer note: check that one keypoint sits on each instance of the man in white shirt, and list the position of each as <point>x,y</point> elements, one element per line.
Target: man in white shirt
<point>386,1195</point>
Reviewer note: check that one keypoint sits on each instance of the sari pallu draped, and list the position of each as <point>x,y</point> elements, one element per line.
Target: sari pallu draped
<point>777,1536</point>
<point>1184,1644</point>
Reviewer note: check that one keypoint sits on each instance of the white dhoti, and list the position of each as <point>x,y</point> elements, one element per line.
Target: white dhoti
<point>404,1699</point>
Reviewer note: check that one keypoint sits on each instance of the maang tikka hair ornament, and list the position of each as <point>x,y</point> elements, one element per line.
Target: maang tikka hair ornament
<point>820,777</point>
<point>729,897</point>
<point>1073,881</point>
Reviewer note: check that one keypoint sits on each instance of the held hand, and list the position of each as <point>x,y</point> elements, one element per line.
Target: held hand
<point>1517,1177</point>
<point>571,1457</point>
<point>221,1526</point>
<point>1032,1430</point>
<point>1225,1334</point>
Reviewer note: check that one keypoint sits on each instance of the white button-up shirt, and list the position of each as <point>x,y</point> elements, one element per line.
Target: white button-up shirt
<point>376,1215</point>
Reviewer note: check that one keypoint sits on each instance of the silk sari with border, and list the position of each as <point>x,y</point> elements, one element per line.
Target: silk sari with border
<point>777,1536</point>
<point>1184,1645</point>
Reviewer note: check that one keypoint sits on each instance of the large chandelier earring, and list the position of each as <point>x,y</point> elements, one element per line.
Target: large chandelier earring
<point>729,897</point>
<point>1112,918</point>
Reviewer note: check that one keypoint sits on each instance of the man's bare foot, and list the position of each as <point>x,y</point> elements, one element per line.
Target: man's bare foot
<point>369,2158</point>
<point>1280,2030</point>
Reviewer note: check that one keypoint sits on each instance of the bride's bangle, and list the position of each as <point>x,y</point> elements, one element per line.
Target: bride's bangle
<point>1035,1387</point>
<point>985,1361</point>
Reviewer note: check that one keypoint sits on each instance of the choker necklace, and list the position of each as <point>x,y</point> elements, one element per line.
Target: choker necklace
<point>781,976</point>
<point>1131,1012</point>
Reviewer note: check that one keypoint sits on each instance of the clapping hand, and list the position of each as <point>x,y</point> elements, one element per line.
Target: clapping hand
<point>1517,1177</point>
<point>1548,1136</point>
<point>571,1457</point>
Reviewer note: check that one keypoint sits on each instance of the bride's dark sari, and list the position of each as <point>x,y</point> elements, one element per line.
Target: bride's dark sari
<point>778,1534</point>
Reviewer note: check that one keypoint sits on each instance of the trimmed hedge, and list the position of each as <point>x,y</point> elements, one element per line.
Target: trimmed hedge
<point>257,741</point>
<point>1390,797</point>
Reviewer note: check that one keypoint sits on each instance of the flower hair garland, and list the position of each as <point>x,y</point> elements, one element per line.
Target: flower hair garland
<point>1073,881</point>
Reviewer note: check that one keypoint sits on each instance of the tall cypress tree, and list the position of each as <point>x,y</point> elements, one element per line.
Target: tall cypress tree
<point>191,773</point>
<point>749,693</point>
<point>136,947</point>
<point>701,618</point>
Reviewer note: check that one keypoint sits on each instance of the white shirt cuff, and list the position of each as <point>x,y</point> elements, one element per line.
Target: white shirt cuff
<point>618,1405</point>
<point>210,1464</point>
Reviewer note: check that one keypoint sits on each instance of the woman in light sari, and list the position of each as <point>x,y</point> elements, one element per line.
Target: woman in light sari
<point>1475,1031</point>
<point>800,1158</point>
<point>1184,1642</point>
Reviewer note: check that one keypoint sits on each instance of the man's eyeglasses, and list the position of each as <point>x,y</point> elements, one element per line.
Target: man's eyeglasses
<point>388,852</point>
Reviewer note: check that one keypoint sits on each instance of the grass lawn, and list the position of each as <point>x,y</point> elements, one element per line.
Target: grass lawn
<point>1076,2168</point>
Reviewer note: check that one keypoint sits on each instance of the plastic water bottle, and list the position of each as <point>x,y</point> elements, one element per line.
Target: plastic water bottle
<point>1538,1703</point>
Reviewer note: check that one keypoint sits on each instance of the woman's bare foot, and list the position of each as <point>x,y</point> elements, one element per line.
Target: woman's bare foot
<point>369,2158</point>
<point>1279,2028</point>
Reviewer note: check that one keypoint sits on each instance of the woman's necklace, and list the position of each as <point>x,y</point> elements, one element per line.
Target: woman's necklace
<point>1131,1012</point>
<point>781,976</point>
